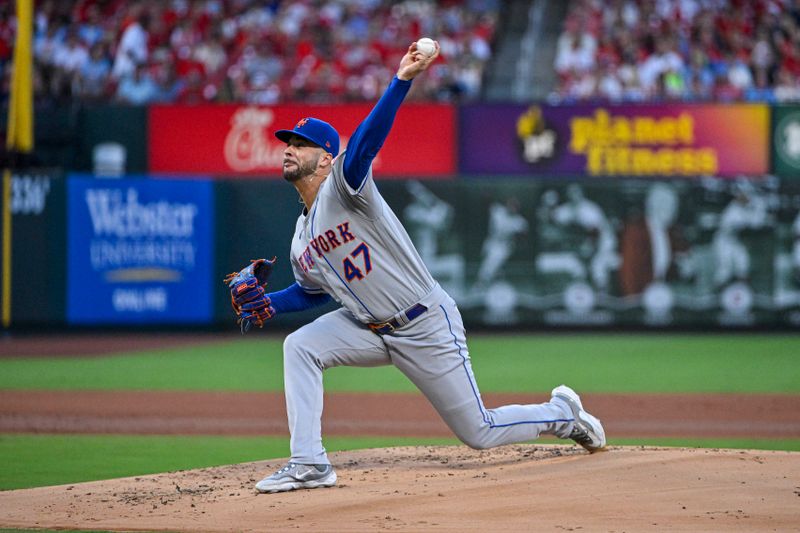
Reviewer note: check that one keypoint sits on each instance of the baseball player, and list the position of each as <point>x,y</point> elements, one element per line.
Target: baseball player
<point>348,245</point>
<point>430,219</point>
<point>747,210</point>
<point>505,223</point>
<point>581,211</point>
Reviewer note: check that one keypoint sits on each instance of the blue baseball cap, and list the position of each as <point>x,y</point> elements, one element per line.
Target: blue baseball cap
<point>315,130</point>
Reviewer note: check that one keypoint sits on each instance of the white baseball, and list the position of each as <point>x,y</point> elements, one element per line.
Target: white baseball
<point>426,46</point>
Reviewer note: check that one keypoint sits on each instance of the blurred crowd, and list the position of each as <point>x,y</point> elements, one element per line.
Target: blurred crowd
<point>687,50</point>
<point>254,51</point>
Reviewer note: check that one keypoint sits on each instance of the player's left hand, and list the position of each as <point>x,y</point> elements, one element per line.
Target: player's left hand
<point>255,311</point>
<point>248,297</point>
<point>414,62</point>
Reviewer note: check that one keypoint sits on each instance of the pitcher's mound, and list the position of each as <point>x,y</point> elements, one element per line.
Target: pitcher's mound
<point>512,488</point>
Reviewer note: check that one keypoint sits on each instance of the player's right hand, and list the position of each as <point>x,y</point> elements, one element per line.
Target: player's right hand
<point>413,63</point>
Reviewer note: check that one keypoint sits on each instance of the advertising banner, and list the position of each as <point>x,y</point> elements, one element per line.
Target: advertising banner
<point>672,140</point>
<point>140,251</point>
<point>713,252</point>
<point>238,140</point>
<point>786,141</point>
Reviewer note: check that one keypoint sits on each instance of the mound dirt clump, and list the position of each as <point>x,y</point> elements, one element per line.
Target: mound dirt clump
<point>522,487</point>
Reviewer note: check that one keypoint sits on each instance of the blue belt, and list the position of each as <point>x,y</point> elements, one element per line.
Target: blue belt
<point>411,313</point>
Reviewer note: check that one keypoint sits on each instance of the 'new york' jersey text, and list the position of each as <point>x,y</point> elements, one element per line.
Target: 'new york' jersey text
<point>352,246</point>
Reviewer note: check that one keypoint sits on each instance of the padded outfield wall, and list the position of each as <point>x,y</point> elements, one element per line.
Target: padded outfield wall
<point>547,242</point>
<point>660,253</point>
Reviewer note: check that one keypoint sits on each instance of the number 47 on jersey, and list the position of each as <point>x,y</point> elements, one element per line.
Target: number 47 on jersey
<point>360,258</point>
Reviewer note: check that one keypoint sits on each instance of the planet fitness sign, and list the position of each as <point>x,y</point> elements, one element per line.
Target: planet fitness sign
<point>668,140</point>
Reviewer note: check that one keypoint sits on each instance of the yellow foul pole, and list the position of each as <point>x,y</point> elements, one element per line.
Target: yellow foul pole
<point>6,306</point>
<point>20,112</point>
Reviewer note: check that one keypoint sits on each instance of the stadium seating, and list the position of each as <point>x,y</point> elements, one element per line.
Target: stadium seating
<point>191,51</point>
<point>685,50</point>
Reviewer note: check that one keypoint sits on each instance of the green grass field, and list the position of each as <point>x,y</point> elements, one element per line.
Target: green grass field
<point>736,363</point>
<point>502,363</point>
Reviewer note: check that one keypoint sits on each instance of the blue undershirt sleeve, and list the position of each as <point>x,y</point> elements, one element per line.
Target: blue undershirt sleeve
<point>368,138</point>
<point>294,298</point>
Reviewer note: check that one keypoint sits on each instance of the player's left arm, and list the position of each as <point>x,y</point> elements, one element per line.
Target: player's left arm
<point>294,298</point>
<point>370,135</point>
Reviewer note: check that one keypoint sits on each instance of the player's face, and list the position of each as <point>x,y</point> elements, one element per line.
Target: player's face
<point>300,159</point>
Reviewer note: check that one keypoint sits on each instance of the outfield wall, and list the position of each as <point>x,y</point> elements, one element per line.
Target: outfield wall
<point>530,215</point>
<point>521,253</point>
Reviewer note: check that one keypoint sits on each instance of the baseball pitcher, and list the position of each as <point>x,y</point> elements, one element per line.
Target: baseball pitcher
<point>348,245</point>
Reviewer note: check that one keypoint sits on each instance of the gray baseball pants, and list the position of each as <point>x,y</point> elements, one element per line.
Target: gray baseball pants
<point>432,352</point>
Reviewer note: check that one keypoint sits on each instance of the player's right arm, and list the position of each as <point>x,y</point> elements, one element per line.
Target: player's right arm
<point>370,135</point>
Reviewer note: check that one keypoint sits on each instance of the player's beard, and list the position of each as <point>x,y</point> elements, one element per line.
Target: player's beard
<point>302,170</point>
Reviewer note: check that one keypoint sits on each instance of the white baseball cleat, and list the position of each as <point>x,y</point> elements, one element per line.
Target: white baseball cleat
<point>295,476</point>
<point>587,429</point>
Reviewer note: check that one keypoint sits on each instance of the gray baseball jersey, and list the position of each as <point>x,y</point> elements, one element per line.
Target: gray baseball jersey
<point>352,246</point>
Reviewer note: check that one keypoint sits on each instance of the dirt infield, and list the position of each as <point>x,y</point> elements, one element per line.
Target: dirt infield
<point>99,344</point>
<point>221,413</point>
<point>512,488</point>
<point>518,488</point>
